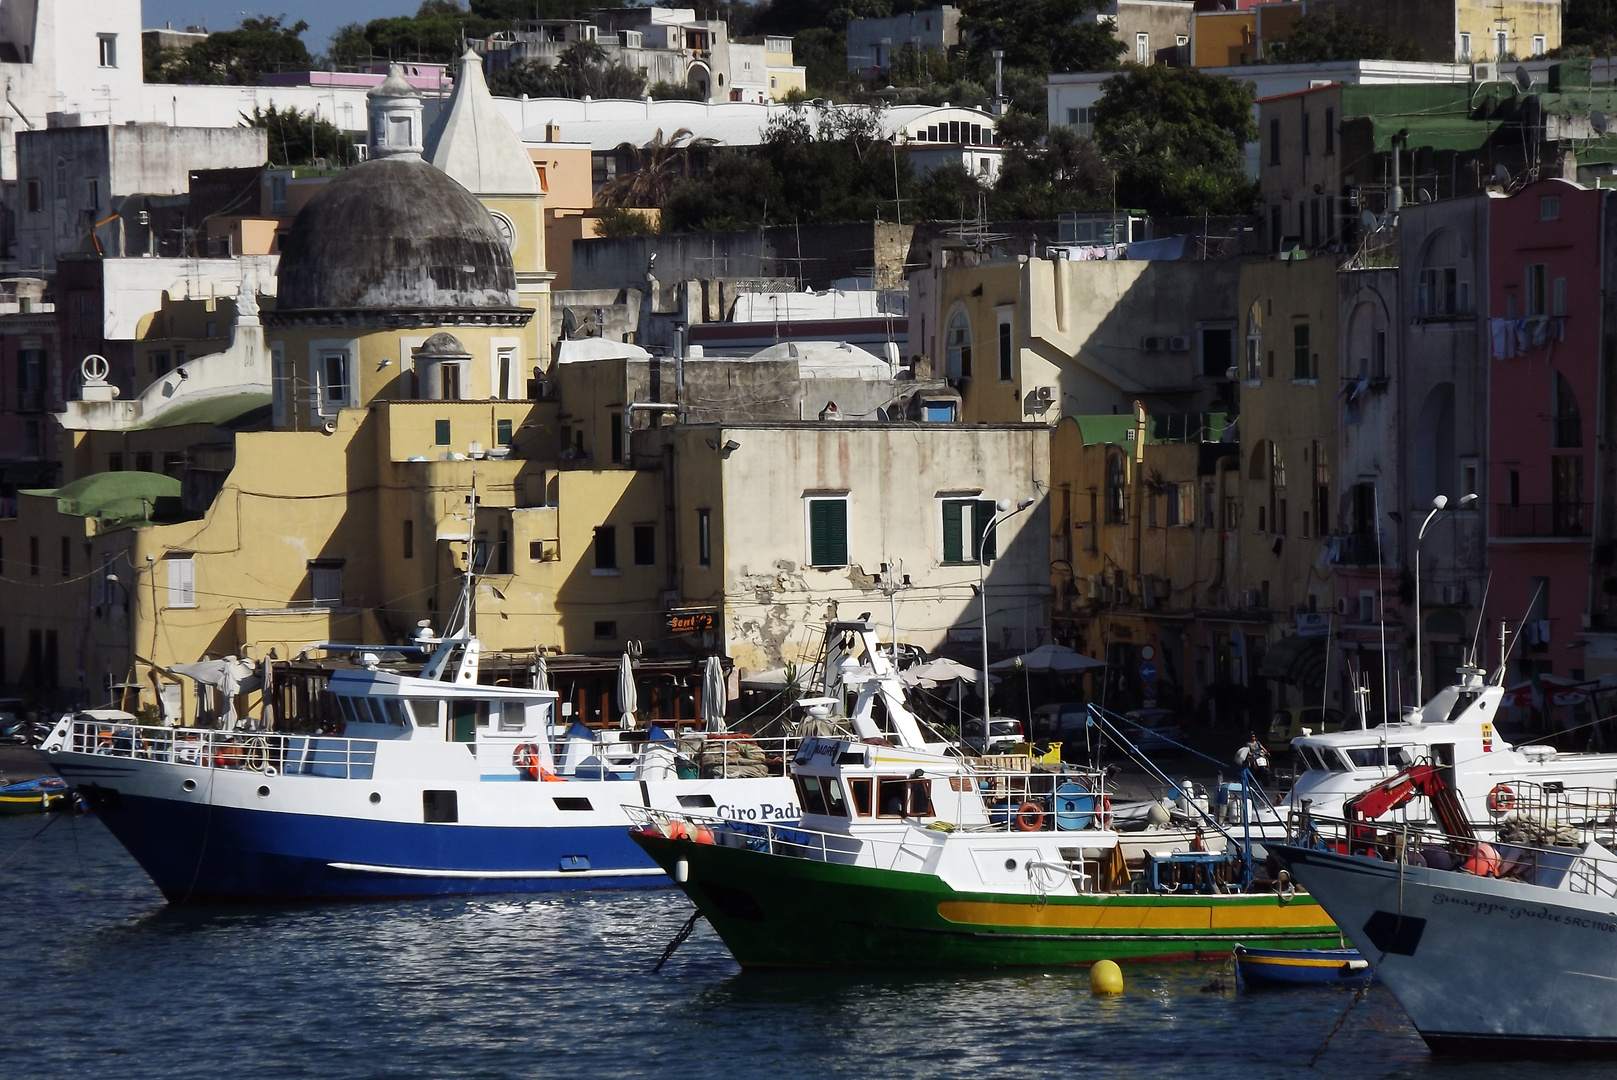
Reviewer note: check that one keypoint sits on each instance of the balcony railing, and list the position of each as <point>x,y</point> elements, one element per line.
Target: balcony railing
<point>1542,519</point>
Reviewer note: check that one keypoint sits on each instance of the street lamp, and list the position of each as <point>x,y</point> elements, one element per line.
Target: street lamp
<point>1439,504</point>
<point>1004,515</point>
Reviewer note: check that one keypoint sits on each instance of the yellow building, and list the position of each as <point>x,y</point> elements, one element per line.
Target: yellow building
<point>396,367</point>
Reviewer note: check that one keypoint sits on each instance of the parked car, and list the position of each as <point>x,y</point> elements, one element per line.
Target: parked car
<point>1004,732</point>
<point>1157,732</point>
<point>1287,724</point>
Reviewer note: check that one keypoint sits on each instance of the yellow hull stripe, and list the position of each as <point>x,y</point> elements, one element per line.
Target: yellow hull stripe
<point>1288,961</point>
<point>1151,916</point>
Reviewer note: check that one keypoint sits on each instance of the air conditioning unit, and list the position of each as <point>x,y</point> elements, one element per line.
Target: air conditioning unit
<point>1454,593</point>
<point>1484,73</point>
<point>1155,343</point>
<point>1343,605</point>
<point>1179,343</point>
<point>1044,395</point>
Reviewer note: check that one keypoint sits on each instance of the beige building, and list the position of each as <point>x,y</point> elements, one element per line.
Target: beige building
<point>783,526</point>
<point>1032,340</point>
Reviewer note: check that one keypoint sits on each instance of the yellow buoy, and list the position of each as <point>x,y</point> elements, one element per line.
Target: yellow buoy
<point>1105,979</point>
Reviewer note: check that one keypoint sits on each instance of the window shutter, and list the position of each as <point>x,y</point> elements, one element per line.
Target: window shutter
<point>986,542</point>
<point>828,532</point>
<point>953,532</point>
<point>181,583</point>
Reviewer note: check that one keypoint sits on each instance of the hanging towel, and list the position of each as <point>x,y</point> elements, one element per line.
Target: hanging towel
<point>1501,331</point>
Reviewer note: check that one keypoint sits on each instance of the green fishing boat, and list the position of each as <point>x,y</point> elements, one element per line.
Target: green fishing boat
<point>917,859</point>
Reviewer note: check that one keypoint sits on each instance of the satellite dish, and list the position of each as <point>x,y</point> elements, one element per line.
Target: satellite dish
<point>1523,79</point>
<point>1501,175</point>
<point>1597,120</point>
<point>1424,196</point>
<point>1369,221</point>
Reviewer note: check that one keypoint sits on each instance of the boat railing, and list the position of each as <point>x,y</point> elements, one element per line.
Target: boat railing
<point>1562,858</point>
<point>270,753</point>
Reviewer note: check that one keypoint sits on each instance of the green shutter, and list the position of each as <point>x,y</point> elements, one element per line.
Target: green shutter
<point>984,541</point>
<point>828,532</point>
<point>440,432</point>
<point>953,533</point>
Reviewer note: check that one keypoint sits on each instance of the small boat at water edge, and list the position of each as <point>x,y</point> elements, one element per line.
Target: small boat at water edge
<point>38,796</point>
<point>1262,968</point>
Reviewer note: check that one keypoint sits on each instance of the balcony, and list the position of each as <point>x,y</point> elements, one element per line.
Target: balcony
<point>1568,432</point>
<point>1542,519</point>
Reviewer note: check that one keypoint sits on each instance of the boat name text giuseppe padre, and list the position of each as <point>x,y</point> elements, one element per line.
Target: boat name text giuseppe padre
<point>1518,911</point>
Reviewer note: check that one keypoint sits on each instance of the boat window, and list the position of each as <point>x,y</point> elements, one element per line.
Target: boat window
<point>1335,762</point>
<point>426,713</point>
<point>1367,757</point>
<point>898,796</point>
<point>353,711</point>
<point>482,714</point>
<point>859,788</point>
<point>1443,753</point>
<point>393,710</point>
<point>513,715</point>
<point>1310,759</point>
<point>834,802</point>
<point>810,795</point>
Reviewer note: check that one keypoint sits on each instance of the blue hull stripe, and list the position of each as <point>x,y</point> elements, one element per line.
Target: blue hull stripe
<point>199,853</point>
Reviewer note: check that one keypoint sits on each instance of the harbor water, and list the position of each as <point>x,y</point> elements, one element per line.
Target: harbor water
<point>108,980</point>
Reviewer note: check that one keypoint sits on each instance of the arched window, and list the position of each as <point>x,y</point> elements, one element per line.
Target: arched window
<point>1115,478</point>
<point>957,341</point>
<point>1443,287</point>
<point>1567,430</point>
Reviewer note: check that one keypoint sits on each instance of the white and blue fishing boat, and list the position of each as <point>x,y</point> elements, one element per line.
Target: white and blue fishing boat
<point>434,784</point>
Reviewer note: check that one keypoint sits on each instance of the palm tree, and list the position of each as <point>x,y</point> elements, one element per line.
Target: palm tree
<point>653,169</point>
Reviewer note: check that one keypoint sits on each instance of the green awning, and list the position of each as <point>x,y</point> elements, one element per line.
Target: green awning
<point>112,497</point>
<point>1160,428</point>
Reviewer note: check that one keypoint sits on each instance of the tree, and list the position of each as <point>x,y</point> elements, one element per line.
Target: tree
<point>1333,34</point>
<point>348,46</point>
<point>297,138</point>
<point>510,11</point>
<point>1047,171</point>
<point>1176,139</point>
<point>581,71</point>
<point>436,33</point>
<point>236,56</point>
<point>616,221</point>
<point>653,169</point>
<point>1590,27</point>
<point>1046,35</point>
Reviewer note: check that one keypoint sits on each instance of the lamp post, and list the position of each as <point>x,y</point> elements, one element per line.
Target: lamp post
<point>1439,504</point>
<point>1004,515</point>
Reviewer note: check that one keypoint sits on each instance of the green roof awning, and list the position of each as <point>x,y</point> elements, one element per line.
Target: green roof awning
<point>112,497</point>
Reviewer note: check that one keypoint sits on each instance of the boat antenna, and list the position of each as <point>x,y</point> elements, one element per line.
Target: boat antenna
<point>1482,617</point>
<point>1504,649</point>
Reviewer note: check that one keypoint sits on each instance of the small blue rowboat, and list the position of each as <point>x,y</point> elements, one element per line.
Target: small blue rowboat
<point>34,796</point>
<point>1256,968</point>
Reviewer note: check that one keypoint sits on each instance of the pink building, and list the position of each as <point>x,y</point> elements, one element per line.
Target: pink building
<point>1545,292</point>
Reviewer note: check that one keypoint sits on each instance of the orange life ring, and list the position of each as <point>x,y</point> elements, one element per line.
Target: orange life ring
<point>1029,817</point>
<point>703,835</point>
<point>526,758</point>
<point>1501,800</point>
<point>677,830</point>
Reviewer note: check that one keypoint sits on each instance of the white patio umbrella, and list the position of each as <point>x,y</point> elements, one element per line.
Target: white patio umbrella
<point>714,695</point>
<point>1049,659</point>
<point>941,670</point>
<point>628,698</point>
<point>228,675</point>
